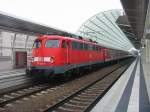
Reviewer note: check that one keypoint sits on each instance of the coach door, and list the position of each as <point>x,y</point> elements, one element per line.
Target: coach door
<point>68,51</point>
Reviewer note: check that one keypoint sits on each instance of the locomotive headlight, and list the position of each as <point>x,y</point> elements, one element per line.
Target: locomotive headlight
<point>52,59</point>
<point>40,59</point>
<point>35,59</point>
<point>46,59</point>
<point>49,59</point>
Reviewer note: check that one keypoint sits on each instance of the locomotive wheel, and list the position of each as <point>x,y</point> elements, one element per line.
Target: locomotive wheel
<point>50,79</point>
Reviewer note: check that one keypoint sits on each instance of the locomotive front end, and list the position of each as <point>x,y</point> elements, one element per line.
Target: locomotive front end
<point>44,56</point>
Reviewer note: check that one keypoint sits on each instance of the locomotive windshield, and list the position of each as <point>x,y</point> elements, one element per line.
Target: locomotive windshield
<point>37,44</point>
<point>52,43</point>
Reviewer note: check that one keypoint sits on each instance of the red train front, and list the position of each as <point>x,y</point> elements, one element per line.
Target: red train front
<point>58,54</point>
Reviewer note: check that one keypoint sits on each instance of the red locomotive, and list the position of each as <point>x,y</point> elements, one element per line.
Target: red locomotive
<point>54,54</point>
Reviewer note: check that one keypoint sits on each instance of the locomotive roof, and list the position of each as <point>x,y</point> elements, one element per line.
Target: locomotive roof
<point>73,38</point>
<point>66,37</point>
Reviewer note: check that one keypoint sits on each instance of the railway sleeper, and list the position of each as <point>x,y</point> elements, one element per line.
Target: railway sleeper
<point>103,87</point>
<point>82,100</point>
<point>15,94</point>
<point>69,106</point>
<point>63,109</point>
<point>78,102</point>
<point>85,97</point>
<point>94,90</point>
<point>2,100</point>
<point>89,94</point>
<point>8,97</point>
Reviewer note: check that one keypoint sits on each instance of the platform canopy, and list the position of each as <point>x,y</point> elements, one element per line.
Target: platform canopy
<point>136,11</point>
<point>103,28</point>
<point>18,34</point>
<point>125,26</point>
<point>12,23</point>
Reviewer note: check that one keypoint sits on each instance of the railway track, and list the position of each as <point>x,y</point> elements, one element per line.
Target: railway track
<point>24,92</point>
<point>84,99</point>
<point>6,98</point>
<point>14,81</point>
<point>62,97</point>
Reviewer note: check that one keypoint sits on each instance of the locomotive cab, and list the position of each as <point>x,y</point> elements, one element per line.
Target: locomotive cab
<point>45,52</point>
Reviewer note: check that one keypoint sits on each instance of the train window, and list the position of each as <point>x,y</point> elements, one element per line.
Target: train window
<point>85,46</point>
<point>64,44</point>
<point>93,47</point>
<point>88,46</point>
<point>80,46</point>
<point>74,45</point>
<point>52,43</point>
<point>37,44</point>
<point>96,48</point>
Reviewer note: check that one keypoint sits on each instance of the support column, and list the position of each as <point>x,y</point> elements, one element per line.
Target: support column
<point>146,51</point>
<point>13,54</point>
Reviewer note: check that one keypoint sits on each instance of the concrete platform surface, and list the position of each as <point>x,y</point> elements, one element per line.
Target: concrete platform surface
<point>12,72</point>
<point>131,93</point>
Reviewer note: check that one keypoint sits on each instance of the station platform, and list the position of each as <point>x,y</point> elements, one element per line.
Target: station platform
<point>131,93</point>
<point>11,72</point>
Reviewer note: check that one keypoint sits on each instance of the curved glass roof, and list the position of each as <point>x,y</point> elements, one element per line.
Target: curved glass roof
<point>102,28</point>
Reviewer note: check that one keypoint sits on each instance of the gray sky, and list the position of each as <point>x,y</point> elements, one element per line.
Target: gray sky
<point>66,15</point>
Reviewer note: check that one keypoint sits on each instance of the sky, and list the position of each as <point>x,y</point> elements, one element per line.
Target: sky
<point>66,15</point>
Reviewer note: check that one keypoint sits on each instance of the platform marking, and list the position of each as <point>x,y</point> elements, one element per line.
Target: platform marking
<point>124,101</point>
<point>110,100</point>
<point>144,103</point>
<point>133,105</point>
